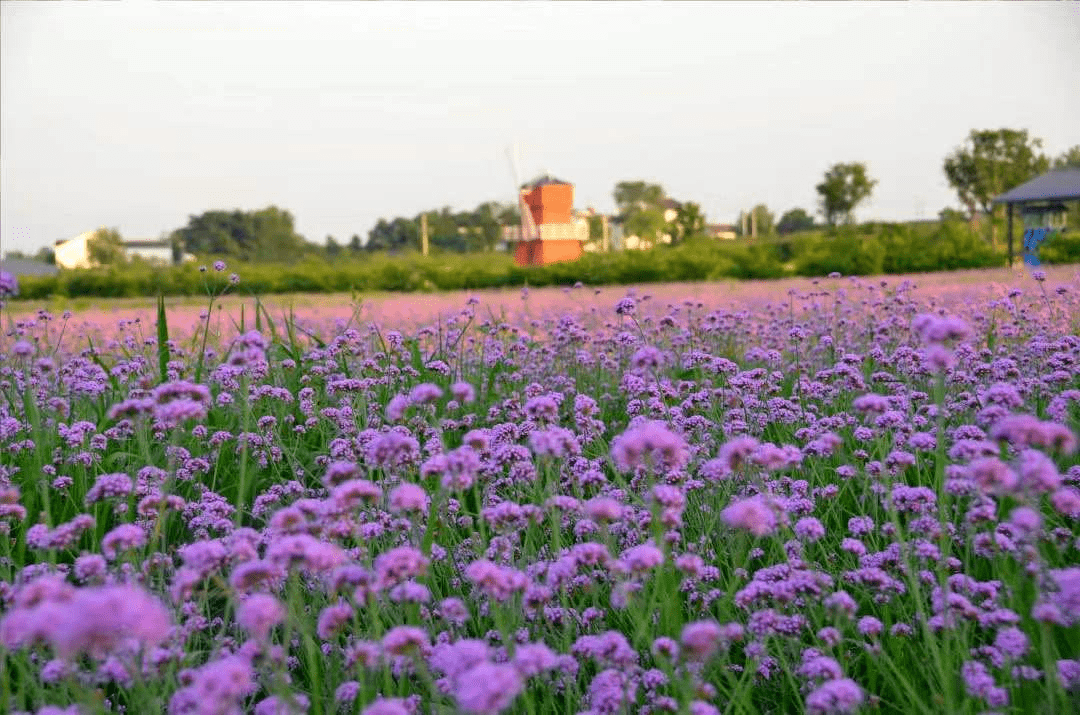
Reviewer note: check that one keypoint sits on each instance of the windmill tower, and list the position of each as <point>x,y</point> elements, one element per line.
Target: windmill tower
<point>548,231</point>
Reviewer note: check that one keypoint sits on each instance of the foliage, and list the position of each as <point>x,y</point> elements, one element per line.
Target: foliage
<point>794,220</point>
<point>45,255</point>
<point>332,248</point>
<point>950,214</point>
<point>760,222</point>
<point>267,235</point>
<point>991,162</point>
<point>1064,247</point>
<point>689,222</point>
<point>633,196</point>
<point>640,209</point>
<point>857,499</point>
<point>881,248</point>
<point>596,227</point>
<point>106,247</point>
<point>844,187</point>
<point>461,231</point>
<point>1070,158</point>
<point>646,224</point>
<point>397,235</point>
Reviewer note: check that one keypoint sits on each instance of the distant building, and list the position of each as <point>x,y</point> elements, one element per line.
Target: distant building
<point>158,252</point>
<point>722,231</point>
<point>551,231</point>
<point>75,252</point>
<point>20,267</point>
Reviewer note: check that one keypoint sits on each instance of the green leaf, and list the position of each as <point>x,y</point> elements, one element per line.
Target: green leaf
<point>163,339</point>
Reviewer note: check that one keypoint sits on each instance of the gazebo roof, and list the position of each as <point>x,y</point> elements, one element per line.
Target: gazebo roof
<point>1059,185</point>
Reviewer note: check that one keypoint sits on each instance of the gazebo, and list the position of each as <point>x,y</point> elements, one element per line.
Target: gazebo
<point>1041,200</point>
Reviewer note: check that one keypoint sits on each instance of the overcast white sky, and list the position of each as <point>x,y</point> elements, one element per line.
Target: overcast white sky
<point>137,115</point>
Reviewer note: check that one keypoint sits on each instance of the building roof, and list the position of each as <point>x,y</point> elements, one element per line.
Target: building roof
<point>670,204</point>
<point>545,180</point>
<point>1059,185</point>
<point>146,243</point>
<point>26,267</point>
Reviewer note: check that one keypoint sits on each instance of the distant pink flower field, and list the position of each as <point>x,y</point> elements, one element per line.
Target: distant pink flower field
<point>324,314</point>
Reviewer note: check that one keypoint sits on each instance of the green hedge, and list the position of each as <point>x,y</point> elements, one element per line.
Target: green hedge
<point>1061,248</point>
<point>864,250</point>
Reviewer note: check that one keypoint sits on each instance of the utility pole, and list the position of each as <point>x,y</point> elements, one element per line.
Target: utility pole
<point>605,240</point>
<point>742,220</point>
<point>753,222</point>
<point>423,233</point>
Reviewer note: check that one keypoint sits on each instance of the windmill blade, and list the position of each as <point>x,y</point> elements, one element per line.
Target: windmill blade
<point>528,225</point>
<point>511,156</point>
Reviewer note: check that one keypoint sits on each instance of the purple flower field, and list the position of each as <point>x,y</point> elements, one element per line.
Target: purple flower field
<point>858,495</point>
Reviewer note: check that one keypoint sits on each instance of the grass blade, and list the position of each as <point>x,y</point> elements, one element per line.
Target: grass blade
<point>162,340</point>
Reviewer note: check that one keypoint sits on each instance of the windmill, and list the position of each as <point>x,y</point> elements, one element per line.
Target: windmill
<point>529,231</point>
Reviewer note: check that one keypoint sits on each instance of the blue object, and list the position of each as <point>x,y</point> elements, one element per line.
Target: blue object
<point>1033,238</point>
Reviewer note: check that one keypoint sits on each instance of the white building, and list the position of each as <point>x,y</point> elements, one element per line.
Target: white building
<point>157,252</point>
<point>75,252</point>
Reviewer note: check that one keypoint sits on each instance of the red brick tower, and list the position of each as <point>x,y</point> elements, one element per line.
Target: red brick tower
<point>551,235</point>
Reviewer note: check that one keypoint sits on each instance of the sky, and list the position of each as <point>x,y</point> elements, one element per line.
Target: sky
<point>137,115</point>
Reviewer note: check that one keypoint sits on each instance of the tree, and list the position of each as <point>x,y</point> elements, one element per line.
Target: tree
<point>443,230</point>
<point>633,196</point>
<point>267,235</point>
<point>509,215</point>
<point>647,224</point>
<point>1070,159</point>
<point>949,214</point>
<point>794,220</point>
<point>333,248</point>
<point>991,162</point>
<point>106,248</point>
<point>760,221</point>
<point>355,244</point>
<point>689,221</point>
<point>397,235</point>
<point>596,227</point>
<point>845,186</point>
<point>484,222</point>
<point>640,210</point>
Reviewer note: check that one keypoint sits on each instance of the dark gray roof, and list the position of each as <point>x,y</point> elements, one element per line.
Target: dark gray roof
<point>26,267</point>
<point>544,180</point>
<point>670,204</point>
<point>1059,185</point>
<point>147,243</point>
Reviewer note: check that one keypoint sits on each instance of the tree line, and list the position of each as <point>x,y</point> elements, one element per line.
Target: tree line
<point>988,163</point>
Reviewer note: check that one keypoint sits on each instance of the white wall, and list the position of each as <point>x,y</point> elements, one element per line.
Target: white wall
<point>74,252</point>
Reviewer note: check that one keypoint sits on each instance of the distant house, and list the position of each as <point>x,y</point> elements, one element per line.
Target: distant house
<point>637,243</point>
<point>20,267</point>
<point>722,231</point>
<point>75,252</point>
<point>159,252</point>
